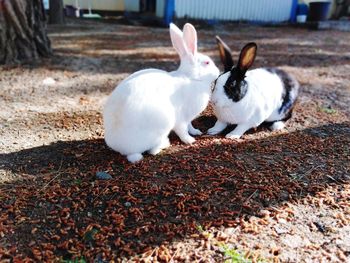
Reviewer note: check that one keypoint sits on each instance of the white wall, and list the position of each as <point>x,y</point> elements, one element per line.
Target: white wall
<point>160,8</point>
<point>132,5</point>
<point>107,5</point>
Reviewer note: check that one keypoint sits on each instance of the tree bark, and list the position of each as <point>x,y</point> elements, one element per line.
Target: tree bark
<point>342,9</point>
<point>56,15</point>
<point>23,35</point>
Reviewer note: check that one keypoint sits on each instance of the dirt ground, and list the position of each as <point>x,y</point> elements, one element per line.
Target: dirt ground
<point>269,197</point>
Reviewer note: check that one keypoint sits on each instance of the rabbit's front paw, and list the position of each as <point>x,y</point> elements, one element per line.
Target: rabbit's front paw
<point>195,132</point>
<point>217,128</point>
<point>213,131</point>
<point>188,139</point>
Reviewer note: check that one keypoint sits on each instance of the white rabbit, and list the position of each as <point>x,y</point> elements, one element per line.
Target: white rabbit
<point>249,98</point>
<point>145,107</point>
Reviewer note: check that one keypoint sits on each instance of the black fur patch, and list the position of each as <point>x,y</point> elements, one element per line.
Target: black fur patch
<point>290,91</point>
<point>215,81</point>
<point>285,118</point>
<point>236,87</point>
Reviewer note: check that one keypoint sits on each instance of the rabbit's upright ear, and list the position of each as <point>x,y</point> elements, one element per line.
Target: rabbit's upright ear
<point>225,54</point>
<point>190,38</point>
<point>247,56</point>
<point>177,40</point>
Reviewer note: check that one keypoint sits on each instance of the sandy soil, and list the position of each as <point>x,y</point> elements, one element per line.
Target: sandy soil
<point>271,196</point>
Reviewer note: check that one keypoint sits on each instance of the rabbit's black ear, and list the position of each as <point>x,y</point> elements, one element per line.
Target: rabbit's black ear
<point>225,54</point>
<point>247,56</point>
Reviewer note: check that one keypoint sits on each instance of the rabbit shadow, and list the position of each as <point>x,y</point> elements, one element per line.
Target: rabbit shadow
<point>166,197</point>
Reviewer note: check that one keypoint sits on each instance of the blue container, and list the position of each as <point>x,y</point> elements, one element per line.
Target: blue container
<point>318,11</point>
<point>302,9</point>
<point>169,12</point>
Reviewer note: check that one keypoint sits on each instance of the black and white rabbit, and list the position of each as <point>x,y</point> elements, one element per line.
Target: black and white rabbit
<point>249,98</point>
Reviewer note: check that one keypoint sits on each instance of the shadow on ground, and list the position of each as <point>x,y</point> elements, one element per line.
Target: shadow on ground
<point>116,64</point>
<point>61,207</point>
<point>105,48</point>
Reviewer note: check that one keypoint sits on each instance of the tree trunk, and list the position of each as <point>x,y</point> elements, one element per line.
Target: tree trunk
<point>23,35</point>
<point>342,9</point>
<point>56,15</point>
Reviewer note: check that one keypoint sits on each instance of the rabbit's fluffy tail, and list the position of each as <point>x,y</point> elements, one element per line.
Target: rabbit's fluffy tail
<point>135,157</point>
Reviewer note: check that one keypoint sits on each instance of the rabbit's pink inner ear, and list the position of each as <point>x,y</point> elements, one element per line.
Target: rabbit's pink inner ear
<point>247,56</point>
<point>190,38</point>
<point>176,37</point>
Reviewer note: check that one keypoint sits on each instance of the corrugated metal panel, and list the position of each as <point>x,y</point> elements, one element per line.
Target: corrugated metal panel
<point>251,10</point>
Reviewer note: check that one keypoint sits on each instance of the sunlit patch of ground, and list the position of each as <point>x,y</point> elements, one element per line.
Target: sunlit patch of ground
<point>280,196</point>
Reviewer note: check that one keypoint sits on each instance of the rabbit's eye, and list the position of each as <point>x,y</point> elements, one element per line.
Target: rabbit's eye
<point>207,62</point>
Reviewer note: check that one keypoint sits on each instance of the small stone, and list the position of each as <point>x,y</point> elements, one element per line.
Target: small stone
<point>282,221</point>
<point>264,213</point>
<point>281,229</point>
<point>339,242</point>
<point>103,176</point>
<point>284,195</point>
<point>49,81</point>
<point>230,231</point>
<point>217,142</point>
<point>294,241</point>
<point>89,214</point>
<point>127,204</point>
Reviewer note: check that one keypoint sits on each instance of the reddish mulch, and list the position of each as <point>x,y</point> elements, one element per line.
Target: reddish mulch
<point>254,194</point>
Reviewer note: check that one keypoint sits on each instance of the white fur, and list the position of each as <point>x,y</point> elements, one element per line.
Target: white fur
<point>277,125</point>
<point>146,106</point>
<point>260,103</point>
